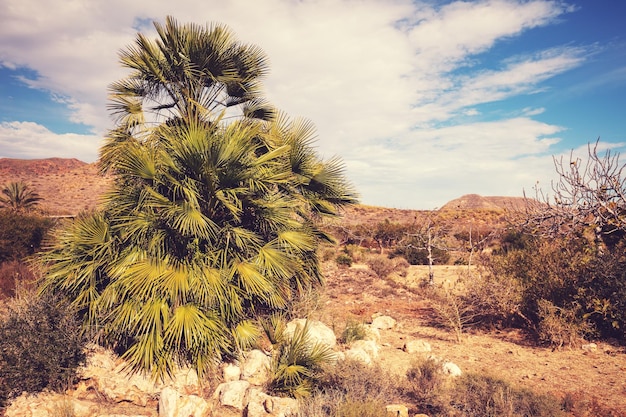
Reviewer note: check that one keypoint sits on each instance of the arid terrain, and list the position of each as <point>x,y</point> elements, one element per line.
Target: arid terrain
<point>356,293</point>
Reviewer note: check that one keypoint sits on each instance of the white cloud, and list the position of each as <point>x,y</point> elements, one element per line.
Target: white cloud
<point>366,72</point>
<point>30,140</point>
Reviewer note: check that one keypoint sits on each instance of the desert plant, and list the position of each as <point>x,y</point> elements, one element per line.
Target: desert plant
<point>343,259</point>
<point>354,331</point>
<point>381,265</point>
<point>559,326</point>
<point>41,346</point>
<point>210,222</point>
<point>426,385</point>
<point>485,396</point>
<point>297,361</point>
<point>451,310</point>
<point>21,234</point>
<point>18,197</point>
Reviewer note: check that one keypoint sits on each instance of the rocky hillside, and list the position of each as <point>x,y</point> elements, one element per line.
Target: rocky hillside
<point>67,186</point>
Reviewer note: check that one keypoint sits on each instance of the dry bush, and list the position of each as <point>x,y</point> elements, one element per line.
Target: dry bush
<point>560,327</point>
<point>426,386</point>
<point>451,310</point>
<point>15,276</point>
<point>485,396</point>
<point>41,345</point>
<point>380,264</point>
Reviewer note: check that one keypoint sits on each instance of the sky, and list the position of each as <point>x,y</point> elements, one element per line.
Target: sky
<point>423,100</point>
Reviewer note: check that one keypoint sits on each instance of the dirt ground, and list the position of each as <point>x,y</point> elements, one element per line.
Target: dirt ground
<point>356,293</point>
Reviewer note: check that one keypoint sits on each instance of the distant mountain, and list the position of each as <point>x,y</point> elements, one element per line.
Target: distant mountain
<point>477,202</point>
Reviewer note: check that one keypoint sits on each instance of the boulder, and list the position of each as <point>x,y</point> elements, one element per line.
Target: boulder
<point>318,331</point>
<point>451,369</point>
<point>416,346</point>
<point>397,410</point>
<point>173,404</point>
<point>368,346</point>
<point>231,372</point>
<point>358,355</point>
<point>264,405</point>
<point>233,394</point>
<point>383,323</point>
<point>255,366</point>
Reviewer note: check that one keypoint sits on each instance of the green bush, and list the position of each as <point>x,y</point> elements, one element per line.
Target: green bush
<point>343,260</point>
<point>353,331</point>
<point>21,234</point>
<point>41,346</point>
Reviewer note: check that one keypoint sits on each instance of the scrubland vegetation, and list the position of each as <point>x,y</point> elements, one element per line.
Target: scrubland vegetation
<point>214,232</point>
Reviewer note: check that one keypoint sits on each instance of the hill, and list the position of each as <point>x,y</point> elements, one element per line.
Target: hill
<point>67,186</point>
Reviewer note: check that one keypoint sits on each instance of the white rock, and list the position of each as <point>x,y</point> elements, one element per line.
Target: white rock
<point>589,347</point>
<point>383,323</point>
<point>233,394</point>
<point>318,331</point>
<point>254,367</point>
<point>358,355</point>
<point>416,346</point>
<point>368,346</point>
<point>262,405</point>
<point>372,333</point>
<point>168,402</point>
<point>451,369</point>
<point>231,372</point>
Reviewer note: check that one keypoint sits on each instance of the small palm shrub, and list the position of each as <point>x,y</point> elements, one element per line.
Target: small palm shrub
<point>41,346</point>
<point>297,361</point>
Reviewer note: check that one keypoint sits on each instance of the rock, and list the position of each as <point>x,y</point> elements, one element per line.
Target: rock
<point>383,323</point>
<point>168,402</point>
<point>231,372</point>
<point>589,347</point>
<point>397,410</point>
<point>255,367</point>
<point>358,355</point>
<point>451,369</point>
<point>318,331</point>
<point>416,346</point>
<point>233,394</point>
<point>263,405</point>
<point>107,376</point>
<point>368,346</point>
<point>372,333</point>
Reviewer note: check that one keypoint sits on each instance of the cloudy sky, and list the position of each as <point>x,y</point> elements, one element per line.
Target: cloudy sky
<point>424,100</point>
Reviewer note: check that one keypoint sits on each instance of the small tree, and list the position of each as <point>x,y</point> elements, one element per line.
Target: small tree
<point>211,222</point>
<point>18,197</point>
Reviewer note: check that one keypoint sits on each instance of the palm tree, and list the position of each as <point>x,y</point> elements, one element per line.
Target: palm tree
<point>17,196</point>
<point>210,222</point>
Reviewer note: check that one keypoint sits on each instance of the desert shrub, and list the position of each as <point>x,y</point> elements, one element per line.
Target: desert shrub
<point>495,301</point>
<point>584,284</point>
<point>356,381</point>
<point>297,362</point>
<point>343,259</point>
<point>15,275</point>
<point>21,234</point>
<point>485,396</point>
<point>560,327</point>
<point>41,345</point>
<point>381,265</point>
<point>353,331</point>
<point>426,386</point>
<point>451,310</point>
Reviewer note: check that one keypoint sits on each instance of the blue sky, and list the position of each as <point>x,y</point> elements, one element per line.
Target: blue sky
<point>424,100</point>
